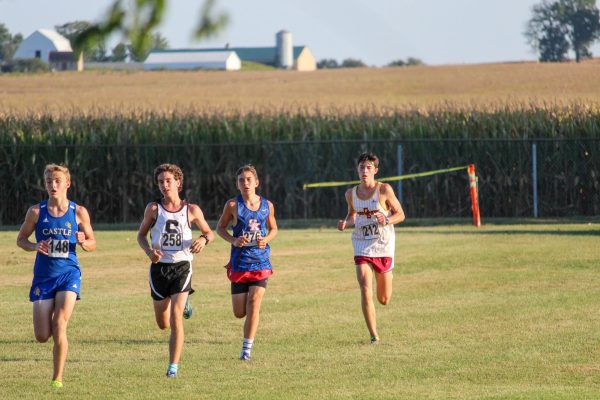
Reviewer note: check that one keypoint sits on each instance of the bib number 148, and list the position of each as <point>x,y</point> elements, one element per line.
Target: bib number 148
<point>59,248</point>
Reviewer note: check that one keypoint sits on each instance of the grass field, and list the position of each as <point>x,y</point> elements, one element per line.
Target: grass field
<point>371,90</point>
<point>503,312</point>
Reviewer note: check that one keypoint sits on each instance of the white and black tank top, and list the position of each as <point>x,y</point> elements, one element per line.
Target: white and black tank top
<point>172,234</point>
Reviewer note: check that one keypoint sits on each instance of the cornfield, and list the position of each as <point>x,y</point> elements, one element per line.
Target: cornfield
<point>112,159</point>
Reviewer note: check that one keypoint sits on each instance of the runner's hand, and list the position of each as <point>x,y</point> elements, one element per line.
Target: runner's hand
<point>154,255</point>
<point>198,245</point>
<point>43,246</point>
<point>80,237</point>
<point>240,241</point>
<point>262,243</point>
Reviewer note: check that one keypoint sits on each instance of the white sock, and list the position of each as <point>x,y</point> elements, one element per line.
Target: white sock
<point>247,345</point>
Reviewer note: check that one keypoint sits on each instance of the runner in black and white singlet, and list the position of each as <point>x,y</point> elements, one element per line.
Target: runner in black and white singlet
<point>169,222</point>
<point>373,209</point>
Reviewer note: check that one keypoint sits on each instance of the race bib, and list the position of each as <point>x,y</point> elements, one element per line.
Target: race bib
<point>171,241</point>
<point>369,231</point>
<point>58,248</point>
<point>252,236</point>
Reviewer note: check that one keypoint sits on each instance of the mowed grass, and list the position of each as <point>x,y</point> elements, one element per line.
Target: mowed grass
<point>352,90</point>
<point>500,312</point>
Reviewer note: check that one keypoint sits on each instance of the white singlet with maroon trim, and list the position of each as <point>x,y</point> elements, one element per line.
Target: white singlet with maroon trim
<point>369,238</point>
<point>172,234</point>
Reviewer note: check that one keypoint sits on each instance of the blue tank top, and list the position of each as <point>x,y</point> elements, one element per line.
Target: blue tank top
<point>251,224</point>
<point>62,256</point>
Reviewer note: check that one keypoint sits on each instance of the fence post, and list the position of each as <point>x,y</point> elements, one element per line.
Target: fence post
<point>534,179</point>
<point>124,180</point>
<point>474,195</point>
<point>305,203</point>
<point>400,167</point>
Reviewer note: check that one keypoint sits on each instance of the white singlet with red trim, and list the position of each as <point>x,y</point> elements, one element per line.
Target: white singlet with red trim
<point>369,238</point>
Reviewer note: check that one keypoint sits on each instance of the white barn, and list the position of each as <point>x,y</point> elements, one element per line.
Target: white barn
<point>41,43</point>
<point>192,59</point>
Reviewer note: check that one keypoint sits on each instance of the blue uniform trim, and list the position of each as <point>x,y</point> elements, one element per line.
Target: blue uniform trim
<point>250,258</point>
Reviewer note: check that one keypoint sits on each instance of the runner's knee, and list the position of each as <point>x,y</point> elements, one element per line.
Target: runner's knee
<point>42,337</point>
<point>384,300</point>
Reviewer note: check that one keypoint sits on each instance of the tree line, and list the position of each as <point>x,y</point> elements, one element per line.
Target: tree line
<point>357,63</point>
<point>557,26</point>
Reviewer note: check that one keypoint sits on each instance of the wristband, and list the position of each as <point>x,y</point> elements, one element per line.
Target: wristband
<point>205,238</point>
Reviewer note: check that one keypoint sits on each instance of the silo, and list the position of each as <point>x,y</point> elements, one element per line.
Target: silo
<point>285,50</point>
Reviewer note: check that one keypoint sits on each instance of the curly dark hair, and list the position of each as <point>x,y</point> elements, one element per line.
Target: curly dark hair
<point>172,168</point>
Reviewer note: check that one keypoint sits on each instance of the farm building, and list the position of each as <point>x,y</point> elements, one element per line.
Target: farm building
<point>42,43</point>
<point>65,61</point>
<point>302,56</point>
<point>283,55</point>
<point>192,59</point>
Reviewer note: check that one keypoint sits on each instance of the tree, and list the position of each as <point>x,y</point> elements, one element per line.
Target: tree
<point>27,65</point>
<point>353,63</point>
<point>119,52</point>
<point>92,51</point>
<point>397,63</point>
<point>327,63</point>
<point>582,18</point>
<point>8,43</point>
<point>410,61</point>
<point>158,41</point>
<point>557,25</point>
<point>413,61</point>
<point>137,20</point>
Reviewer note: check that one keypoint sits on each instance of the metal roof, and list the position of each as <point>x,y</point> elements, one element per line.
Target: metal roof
<point>60,42</point>
<point>263,55</point>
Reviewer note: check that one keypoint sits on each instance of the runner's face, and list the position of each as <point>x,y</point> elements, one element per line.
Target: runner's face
<point>167,184</point>
<point>367,171</point>
<point>247,183</point>
<point>56,184</point>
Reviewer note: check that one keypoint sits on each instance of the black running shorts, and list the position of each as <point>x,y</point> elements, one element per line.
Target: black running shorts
<point>168,279</point>
<point>244,287</point>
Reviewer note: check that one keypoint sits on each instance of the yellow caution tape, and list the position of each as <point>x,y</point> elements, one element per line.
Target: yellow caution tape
<point>388,179</point>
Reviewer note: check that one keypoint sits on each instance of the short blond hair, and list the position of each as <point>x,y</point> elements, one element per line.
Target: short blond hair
<point>50,168</point>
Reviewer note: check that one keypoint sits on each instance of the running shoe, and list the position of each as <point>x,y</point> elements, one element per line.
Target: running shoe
<point>187,310</point>
<point>56,384</point>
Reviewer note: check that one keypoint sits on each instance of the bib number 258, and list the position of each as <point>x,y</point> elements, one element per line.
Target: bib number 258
<point>171,240</point>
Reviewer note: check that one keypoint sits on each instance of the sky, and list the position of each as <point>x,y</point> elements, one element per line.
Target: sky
<point>375,31</point>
